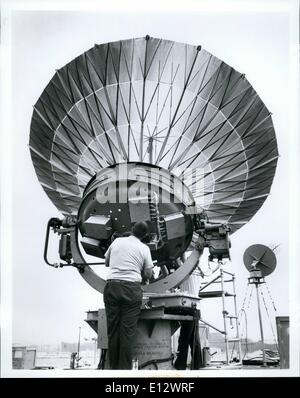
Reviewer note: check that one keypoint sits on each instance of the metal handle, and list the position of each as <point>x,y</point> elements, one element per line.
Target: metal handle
<point>52,223</point>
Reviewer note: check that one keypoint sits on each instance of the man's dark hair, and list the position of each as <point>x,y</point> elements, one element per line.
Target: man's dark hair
<point>140,230</point>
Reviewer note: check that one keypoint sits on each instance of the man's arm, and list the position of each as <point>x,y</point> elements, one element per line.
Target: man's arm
<point>107,256</point>
<point>147,271</point>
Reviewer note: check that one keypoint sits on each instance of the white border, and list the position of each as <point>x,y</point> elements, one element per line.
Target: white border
<point>168,6</point>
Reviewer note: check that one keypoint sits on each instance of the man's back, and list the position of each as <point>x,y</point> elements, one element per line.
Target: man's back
<point>128,257</point>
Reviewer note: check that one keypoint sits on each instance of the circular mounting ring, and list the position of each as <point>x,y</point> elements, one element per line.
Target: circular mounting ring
<point>162,285</point>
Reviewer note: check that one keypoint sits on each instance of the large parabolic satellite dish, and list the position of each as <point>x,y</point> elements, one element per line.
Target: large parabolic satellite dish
<point>156,101</point>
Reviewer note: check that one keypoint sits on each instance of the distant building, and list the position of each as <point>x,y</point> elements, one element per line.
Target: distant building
<point>217,340</point>
<point>72,347</point>
<point>23,357</point>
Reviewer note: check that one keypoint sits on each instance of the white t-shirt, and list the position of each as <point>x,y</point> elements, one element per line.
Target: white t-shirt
<point>192,284</point>
<point>128,257</point>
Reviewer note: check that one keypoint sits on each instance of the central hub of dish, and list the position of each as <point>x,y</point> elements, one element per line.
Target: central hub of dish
<point>125,193</point>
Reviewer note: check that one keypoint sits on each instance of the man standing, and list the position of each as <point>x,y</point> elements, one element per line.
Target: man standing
<point>129,261</point>
<point>189,330</point>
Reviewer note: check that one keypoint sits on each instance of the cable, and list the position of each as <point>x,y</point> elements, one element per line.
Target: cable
<point>242,310</point>
<point>265,304</point>
<point>250,297</point>
<point>244,301</point>
<point>269,293</point>
<point>156,361</point>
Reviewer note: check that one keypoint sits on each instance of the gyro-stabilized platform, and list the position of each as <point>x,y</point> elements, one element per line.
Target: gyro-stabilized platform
<point>168,303</point>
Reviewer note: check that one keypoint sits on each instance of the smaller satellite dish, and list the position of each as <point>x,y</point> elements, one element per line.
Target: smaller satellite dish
<point>260,257</point>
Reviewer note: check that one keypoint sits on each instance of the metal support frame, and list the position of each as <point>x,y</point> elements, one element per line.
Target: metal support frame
<point>223,294</point>
<point>167,283</point>
<point>224,312</point>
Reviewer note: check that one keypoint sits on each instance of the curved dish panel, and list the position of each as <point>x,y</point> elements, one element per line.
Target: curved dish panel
<point>165,103</point>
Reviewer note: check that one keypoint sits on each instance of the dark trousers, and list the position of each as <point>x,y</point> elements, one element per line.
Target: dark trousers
<point>122,305</point>
<point>189,337</point>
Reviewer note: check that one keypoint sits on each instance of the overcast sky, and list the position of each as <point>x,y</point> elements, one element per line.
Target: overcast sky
<point>50,304</point>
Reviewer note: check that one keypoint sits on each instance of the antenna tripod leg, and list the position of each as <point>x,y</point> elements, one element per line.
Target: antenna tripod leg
<point>260,324</point>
